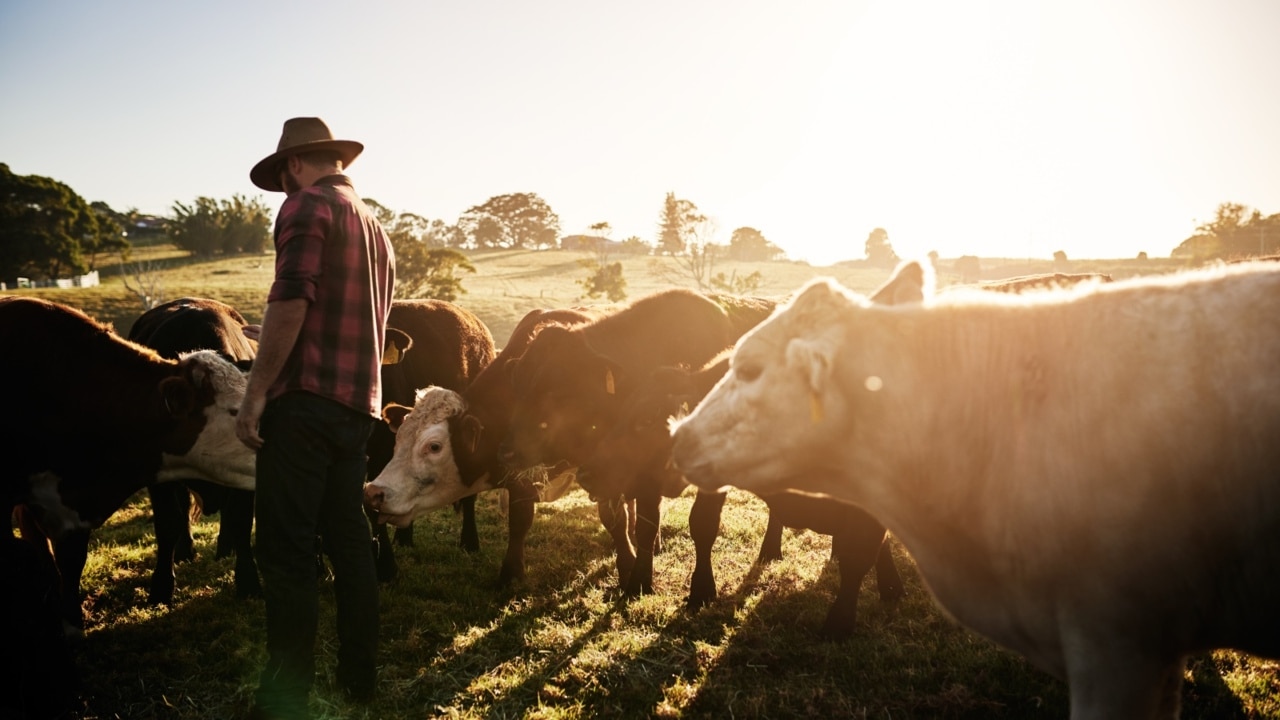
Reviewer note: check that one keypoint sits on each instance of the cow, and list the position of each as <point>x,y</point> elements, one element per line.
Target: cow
<point>569,384</point>
<point>475,428</point>
<point>93,418</point>
<point>172,328</point>
<point>1042,281</point>
<point>637,451</point>
<point>1085,476</point>
<point>446,346</point>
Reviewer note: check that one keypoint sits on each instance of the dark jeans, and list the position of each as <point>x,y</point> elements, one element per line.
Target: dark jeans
<point>310,478</point>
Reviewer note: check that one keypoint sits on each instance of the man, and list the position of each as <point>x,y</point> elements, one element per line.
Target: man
<point>313,396</point>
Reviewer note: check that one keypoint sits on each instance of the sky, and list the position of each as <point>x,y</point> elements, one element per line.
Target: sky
<point>1004,128</point>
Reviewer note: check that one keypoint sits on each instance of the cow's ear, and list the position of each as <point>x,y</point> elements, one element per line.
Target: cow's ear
<point>178,395</point>
<point>812,358</point>
<point>906,286</point>
<point>394,415</point>
<point>469,433</point>
<point>610,377</point>
<point>395,344</point>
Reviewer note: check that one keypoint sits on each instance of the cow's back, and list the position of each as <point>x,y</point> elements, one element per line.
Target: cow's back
<point>192,323</point>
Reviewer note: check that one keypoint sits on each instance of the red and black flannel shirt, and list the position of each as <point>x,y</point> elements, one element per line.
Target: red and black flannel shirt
<point>331,251</point>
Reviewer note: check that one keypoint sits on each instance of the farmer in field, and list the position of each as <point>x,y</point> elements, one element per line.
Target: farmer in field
<point>313,396</point>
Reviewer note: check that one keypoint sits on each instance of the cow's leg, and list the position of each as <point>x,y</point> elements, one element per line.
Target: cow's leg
<point>69,610</point>
<point>404,535</point>
<point>170,503</point>
<point>614,517</point>
<point>648,519</point>
<point>384,555</point>
<point>521,497</point>
<point>235,536</point>
<point>704,526</point>
<point>771,546</point>
<point>70,554</point>
<point>857,547</point>
<point>888,581</point>
<point>470,533</point>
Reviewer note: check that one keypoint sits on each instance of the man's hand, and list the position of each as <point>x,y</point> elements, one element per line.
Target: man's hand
<point>247,420</point>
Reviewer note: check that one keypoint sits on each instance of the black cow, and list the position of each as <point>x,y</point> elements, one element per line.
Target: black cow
<point>637,451</point>
<point>173,328</point>
<point>474,439</point>
<point>570,383</point>
<point>447,346</point>
<point>92,418</point>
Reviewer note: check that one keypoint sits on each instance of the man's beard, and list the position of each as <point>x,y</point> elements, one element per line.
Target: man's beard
<point>290,185</point>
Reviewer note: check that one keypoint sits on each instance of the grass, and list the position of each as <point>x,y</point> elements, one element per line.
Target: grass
<point>563,644</point>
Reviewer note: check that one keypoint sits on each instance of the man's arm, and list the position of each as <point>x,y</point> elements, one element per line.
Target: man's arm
<point>281,323</point>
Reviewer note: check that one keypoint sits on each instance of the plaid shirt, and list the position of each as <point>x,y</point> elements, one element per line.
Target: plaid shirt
<point>331,251</point>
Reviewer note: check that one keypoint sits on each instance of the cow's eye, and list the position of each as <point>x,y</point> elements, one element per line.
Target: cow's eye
<point>435,447</point>
<point>747,372</point>
<point>234,412</point>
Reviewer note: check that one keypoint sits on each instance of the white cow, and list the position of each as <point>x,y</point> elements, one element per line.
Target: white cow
<point>422,474</point>
<point>1090,477</point>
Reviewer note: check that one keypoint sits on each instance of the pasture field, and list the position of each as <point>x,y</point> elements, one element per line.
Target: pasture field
<point>563,644</point>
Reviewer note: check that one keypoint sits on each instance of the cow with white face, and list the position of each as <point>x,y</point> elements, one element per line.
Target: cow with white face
<point>216,455</point>
<point>422,473</point>
<point>1086,476</point>
<point>94,418</point>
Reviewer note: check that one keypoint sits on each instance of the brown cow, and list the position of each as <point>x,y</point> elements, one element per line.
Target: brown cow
<point>172,328</point>
<point>447,346</point>
<point>570,383</point>
<point>398,495</point>
<point>94,418</point>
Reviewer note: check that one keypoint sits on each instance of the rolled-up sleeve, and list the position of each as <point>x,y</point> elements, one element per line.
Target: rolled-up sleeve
<point>300,231</point>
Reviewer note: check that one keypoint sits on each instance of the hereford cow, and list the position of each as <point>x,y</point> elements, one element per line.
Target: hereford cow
<point>570,383</point>
<point>173,328</point>
<point>92,418</point>
<point>447,346</point>
<point>1087,476</point>
<point>412,484</point>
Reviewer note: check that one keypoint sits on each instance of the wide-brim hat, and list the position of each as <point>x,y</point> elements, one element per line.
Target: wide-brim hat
<point>302,134</point>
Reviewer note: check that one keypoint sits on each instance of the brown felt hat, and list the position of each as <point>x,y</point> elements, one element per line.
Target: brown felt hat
<point>302,134</point>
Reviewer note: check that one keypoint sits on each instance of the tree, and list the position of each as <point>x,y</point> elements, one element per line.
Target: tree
<point>521,220</point>
<point>1235,231</point>
<point>425,266</point>
<point>432,274</point>
<point>208,227</point>
<point>748,244</point>
<point>605,278</point>
<point>735,285</point>
<point>879,251</point>
<point>48,231</point>
<point>246,225</point>
<point>678,220</point>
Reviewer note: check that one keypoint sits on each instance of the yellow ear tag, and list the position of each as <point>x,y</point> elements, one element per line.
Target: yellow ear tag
<point>391,356</point>
<point>815,408</point>
<point>608,381</point>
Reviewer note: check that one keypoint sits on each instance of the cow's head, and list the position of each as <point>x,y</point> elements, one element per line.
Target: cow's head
<point>566,395</point>
<point>43,502</point>
<point>779,391</point>
<point>203,399</point>
<point>421,475</point>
